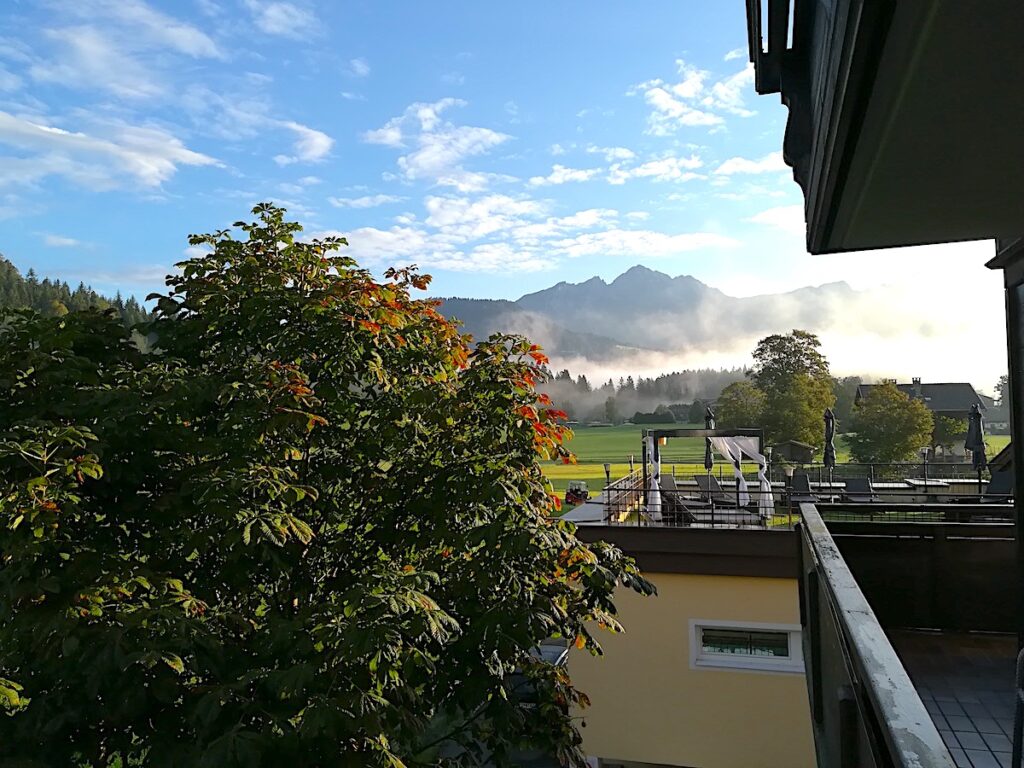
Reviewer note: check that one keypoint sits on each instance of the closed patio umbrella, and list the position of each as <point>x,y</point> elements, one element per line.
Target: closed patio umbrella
<point>830,446</point>
<point>975,441</point>
<point>709,458</point>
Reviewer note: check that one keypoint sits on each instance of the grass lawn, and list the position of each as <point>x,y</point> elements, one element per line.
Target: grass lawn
<point>594,446</point>
<point>996,443</point>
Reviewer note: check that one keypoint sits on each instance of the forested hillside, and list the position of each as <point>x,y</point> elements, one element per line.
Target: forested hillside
<point>53,297</point>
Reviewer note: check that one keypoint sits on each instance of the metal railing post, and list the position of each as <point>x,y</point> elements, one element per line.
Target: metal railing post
<point>1018,713</point>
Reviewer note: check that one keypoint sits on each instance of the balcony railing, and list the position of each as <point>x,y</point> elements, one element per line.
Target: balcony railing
<point>865,710</point>
<point>626,502</point>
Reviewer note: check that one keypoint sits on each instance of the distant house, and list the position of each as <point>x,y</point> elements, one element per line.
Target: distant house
<point>952,400</point>
<point>997,420</point>
<point>794,452</point>
<point>997,416</point>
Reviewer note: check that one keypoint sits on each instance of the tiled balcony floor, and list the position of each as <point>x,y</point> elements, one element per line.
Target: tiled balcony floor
<point>966,683</point>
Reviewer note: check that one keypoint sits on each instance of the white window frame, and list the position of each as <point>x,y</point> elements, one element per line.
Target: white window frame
<point>792,664</point>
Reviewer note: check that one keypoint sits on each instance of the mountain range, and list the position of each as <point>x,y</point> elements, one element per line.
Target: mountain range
<point>643,311</point>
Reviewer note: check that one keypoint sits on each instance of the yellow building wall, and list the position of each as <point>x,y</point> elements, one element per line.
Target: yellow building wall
<point>649,706</point>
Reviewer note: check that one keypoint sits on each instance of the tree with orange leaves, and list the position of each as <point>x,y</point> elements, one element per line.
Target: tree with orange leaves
<point>311,528</point>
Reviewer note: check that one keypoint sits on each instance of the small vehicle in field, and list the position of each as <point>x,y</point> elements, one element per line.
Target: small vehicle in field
<point>576,493</point>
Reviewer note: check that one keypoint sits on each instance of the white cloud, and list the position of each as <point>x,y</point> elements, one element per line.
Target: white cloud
<point>490,233</point>
<point>669,168</point>
<point>240,115</point>
<point>157,27</point>
<point>440,152</point>
<point>359,67</point>
<point>394,246</point>
<point>438,147</point>
<point>692,101</point>
<point>90,58</point>
<point>248,114</point>
<point>735,53</point>
<point>748,191</point>
<point>311,145</point>
<point>734,165</point>
<point>639,243</point>
<point>131,275</point>
<point>282,19</point>
<point>145,155</point>
<point>462,180</point>
<point>116,47</point>
<point>209,8</point>
<point>538,234</point>
<point>197,251</point>
<point>612,154</point>
<point>350,96</point>
<point>728,95</point>
<point>562,175</point>
<point>388,135</point>
<point>556,150</point>
<point>367,201</point>
<point>60,241</point>
<point>138,25</point>
<point>789,218</point>
<point>494,257</point>
<point>8,80</point>
<point>299,186</point>
<point>409,244</point>
<point>465,219</point>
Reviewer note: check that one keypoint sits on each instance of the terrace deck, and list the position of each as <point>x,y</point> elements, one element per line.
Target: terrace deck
<point>966,681</point>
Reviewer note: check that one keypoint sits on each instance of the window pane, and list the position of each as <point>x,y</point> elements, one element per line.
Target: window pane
<point>769,643</point>
<point>743,642</point>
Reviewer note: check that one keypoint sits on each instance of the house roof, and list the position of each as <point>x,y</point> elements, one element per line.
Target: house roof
<point>795,443</point>
<point>952,396</point>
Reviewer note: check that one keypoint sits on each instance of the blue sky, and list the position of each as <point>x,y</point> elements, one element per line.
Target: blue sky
<point>502,147</point>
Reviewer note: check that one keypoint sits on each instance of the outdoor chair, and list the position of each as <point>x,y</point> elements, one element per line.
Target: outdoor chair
<point>674,503</point>
<point>859,491</point>
<point>711,491</point>
<point>800,491</point>
<point>1000,488</point>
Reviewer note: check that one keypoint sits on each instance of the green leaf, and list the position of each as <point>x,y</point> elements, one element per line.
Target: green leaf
<point>173,661</point>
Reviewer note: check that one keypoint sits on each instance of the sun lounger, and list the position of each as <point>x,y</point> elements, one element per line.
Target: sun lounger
<point>800,491</point>
<point>1000,488</point>
<point>712,492</point>
<point>859,491</point>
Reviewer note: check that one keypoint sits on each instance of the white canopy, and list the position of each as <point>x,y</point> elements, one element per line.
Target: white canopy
<point>765,500</point>
<point>732,451</point>
<point>654,483</point>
